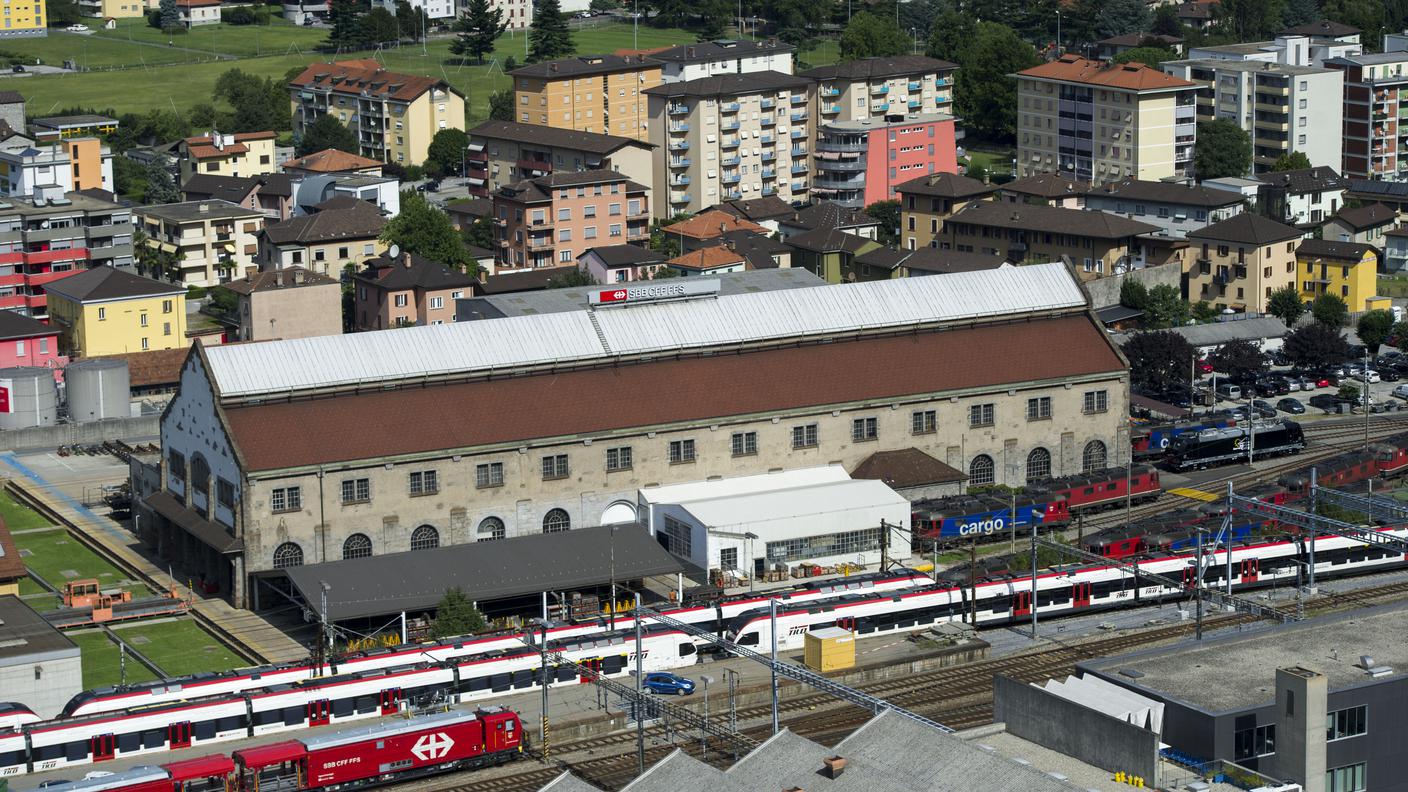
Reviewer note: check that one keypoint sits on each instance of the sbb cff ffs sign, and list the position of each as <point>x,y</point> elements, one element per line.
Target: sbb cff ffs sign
<point>630,295</point>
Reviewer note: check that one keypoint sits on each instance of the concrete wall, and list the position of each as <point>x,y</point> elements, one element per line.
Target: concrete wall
<point>1092,737</point>
<point>59,678</point>
<point>89,433</point>
<point>1106,291</point>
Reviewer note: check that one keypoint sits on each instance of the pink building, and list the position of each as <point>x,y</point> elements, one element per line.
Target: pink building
<point>29,342</point>
<point>860,162</point>
<point>550,220</point>
<point>407,290</point>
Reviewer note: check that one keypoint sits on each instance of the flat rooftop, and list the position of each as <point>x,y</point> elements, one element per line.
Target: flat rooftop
<point>212,209</point>
<point>1238,671</point>
<point>26,637</point>
<point>1260,67</point>
<point>885,123</point>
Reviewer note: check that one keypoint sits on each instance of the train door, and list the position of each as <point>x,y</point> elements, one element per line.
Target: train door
<point>594,664</point>
<point>1190,578</point>
<point>319,712</point>
<point>102,747</point>
<point>1251,570</point>
<point>1022,603</point>
<point>1080,595</point>
<point>390,700</point>
<point>178,735</point>
<point>846,623</point>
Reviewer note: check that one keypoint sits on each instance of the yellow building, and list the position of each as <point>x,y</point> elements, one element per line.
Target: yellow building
<point>217,154</point>
<point>591,93</point>
<point>115,9</point>
<point>106,311</point>
<point>25,18</point>
<point>1347,269</point>
<point>394,116</point>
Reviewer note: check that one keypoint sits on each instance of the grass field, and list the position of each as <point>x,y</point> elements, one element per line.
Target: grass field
<point>102,664</point>
<point>179,646</point>
<point>59,558</point>
<point>240,41</point>
<point>18,516</point>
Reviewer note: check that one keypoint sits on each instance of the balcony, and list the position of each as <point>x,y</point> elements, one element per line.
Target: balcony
<point>798,118</point>
<point>799,99</point>
<point>679,145</point>
<point>729,144</point>
<point>680,162</point>
<point>769,156</point>
<point>767,122</point>
<point>880,108</point>
<point>798,134</point>
<point>768,189</point>
<point>915,104</point>
<point>679,128</point>
<point>850,165</point>
<point>767,104</point>
<point>915,85</point>
<point>798,168</point>
<point>679,181</point>
<point>799,187</point>
<point>830,109</point>
<point>539,243</point>
<point>944,81</point>
<point>830,92</point>
<point>679,198</point>
<point>769,173</point>
<point>879,90</point>
<point>541,166</point>
<point>943,99</point>
<point>730,178</point>
<point>799,151</point>
<point>732,195</point>
<point>844,148</point>
<point>678,109</point>
<point>729,126</point>
<point>767,140</point>
<point>731,107</point>
<point>731,161</point>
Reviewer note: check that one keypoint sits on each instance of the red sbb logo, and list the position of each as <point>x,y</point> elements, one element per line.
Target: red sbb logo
<point>613,295</point>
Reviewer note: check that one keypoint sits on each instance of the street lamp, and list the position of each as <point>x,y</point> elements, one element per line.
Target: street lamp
<point>704,733</point>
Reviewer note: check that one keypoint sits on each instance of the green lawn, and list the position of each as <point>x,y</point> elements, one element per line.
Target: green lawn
<point>59,558</point>
<point>820,52</point>
<point>37,597</point>
<point>240,41</point>
<point>102,664</point>
<point>90,51</point>
<point>179,647</point>
<point>18,516</point>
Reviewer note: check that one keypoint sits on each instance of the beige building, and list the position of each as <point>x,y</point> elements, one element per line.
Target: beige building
<point>926,202</point>
<point>218,154</point>
<point>1096,243</point>
<point>285,303</point>
<point>734,136</point>
<point>213,241</point>
<point>407,290</point>
<point>587,93</point>
<point>503,153</point>
<point>341,234</point>
<point>1240,261</point>
<point>1096,122</point>
<point>393,115</point>
<point>877,88</point>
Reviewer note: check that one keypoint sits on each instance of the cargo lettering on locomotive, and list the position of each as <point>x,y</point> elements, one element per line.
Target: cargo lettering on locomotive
<point>984,527</point>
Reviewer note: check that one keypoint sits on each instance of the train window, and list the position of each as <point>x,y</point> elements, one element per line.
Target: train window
<point>566,673</point>
<point>44,753</point>
<point>75,751</point>
<point>748,639</point>
<point>522,679</point>
<point>267,717</point>
<point>11,758</point>
<point>153,738</point>
<point>686,649</point>
<point>127,743</point>
<point>362,704</point>
<point>203,730</point>
<point>479,683</point>
<point>343,707</point>
<point>294,715</point>
<point>499,682</point>
<point>613,664</point>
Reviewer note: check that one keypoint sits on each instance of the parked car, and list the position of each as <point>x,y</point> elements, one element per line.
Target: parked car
<point>1204,367</point>
<point>77,28</point>
<point>1293,384</point>
<point>1226,390</point>
<point>17,68</point>
<point>1390,374</point>
<point>665,683</point>
<point>1325,401</point>
<point>1367,375</point>
<point>1263,409</point>
<point>1291,406</point>
<point>1400,391</point>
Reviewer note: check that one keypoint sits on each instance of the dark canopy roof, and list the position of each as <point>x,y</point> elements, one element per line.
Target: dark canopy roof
<point>416,580</point>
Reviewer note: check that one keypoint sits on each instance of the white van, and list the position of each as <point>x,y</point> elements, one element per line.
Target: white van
<point>1229,391</point>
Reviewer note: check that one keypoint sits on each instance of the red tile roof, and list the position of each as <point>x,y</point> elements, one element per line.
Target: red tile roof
<point>712,223</point>
<point>356,77</point>
<point>331,161</point>
<point>1127,76</point>
<point>282,435</point>
<point>708,258</point>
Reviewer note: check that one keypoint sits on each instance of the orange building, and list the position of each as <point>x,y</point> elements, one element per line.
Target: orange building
<point>590,93</point>
<point>550,220</point>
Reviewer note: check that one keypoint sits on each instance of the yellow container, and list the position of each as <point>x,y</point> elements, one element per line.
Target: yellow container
<point>829,649</point>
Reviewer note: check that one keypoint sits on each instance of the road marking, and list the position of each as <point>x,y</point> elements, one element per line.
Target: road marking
<point>1188,492</point>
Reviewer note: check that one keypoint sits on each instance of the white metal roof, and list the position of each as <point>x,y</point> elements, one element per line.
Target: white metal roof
<point>388,728</point>
<point>743,485</point>
<point>414,352</point>
<point>830,498</point>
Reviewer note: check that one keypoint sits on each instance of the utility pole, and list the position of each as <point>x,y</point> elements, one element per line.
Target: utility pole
<point>640,713</point>
<point>1034,595</point>
<point>1193,367</point>
<point>1198,587</point>
<point>1366,395</point>
<point>1012,529</point>
<point>612,617</point>
<point>543,678</point>
<point>884,545</point>
<point>1310,540</point>
<point>122,662</point>
<point>973,581</point>
<point>324,588</point>
<point>772,629</point>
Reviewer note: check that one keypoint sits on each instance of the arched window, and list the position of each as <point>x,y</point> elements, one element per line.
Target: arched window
<point>980,471</point>
<point>556,521</point>
<point>288,555</point>
<point>1093,458</point>
<point>491,529</point>
<point>1038,464</point>
<point>425,538</point>
<point>357,546</point>
<point>200,470</point>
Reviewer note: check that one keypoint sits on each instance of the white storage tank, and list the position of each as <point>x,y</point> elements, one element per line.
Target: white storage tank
<point>29,398</point>
<point>96,389</point>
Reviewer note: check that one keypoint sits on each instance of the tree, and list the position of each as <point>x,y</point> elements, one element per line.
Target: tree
<point>1294,160</point>
<point>327,133</point>
<point>1166,307</point>
<point>986,90</point>
<point>1315,346</point>
<point>713,19</point>
<point>1300,12</point>
<point>888,213</point>
<point>950,34</point>
<point>1237,359</point>
<point>1149,56</point>
<point>1203,311</point>
<point>1367,15</point>
<point>478,28</point>
<point>664,273</point>
<point>1166,23</point>
<point>378,26</point>
<point>456,615</point>
<point>1374,329</point>
<point>170,15</point>
<point>1285,304</point>
<point>63,13</point>
<point>1400,336</point>
<point>260,103</point>
<point>573,276</point>
<point>1158,359</point>
<point>1330,310</point>
<point>501,105</point>
<point>1118,17</point>
<point>129,178</point>
<point>480,233</point>
<point>549,37</point>
<point>603,6</point>
<point>426,231</point>
<point>447,150</point>
<point>871,36</point>
<point>161,186</point>
<point>1222,149</point>
<point>1248,20</point>
<point>1134,294</point>
<point>411,21</point>
<point>344,15</point>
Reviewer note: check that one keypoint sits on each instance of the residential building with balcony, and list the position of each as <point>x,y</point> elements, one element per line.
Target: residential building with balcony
<point>271,193</point>
<point>828,214</point>
<point>734,136</point>
<point>437,11</point>
<point>856,163</point>
<point>713,58</point>
<point>26,19</point>
<point>1288,49</point>
<point>1364,224</point>
<point>1395,251</point>
<point>1349,270</point>
<point>220,154</point>
<point>1175,208</point>
<point>1048,189</point>
<point>26,342</point>
<point>27,167</point>
<point>112,9</point>
<point>766,212</point>
<point>53,238</point>
<point>393,115</point>
<point>928,201</point>
<point>285,303</point>
<point>339,236</point>
<point>1375,115</point>
<point>194,13</point>
<point>407,290</point>
<point>1305,197</point>
<point>199,243</point>
<point>106,311</point>
<point>551,220</point>
<point>587,93</point>
<point>71,126</point>
<point>880,89</point>
<point>1240,261</point>
<point>1285,109</point>
<point>504,153</point>
<point>1097,122</point>
<point>1097,244</point>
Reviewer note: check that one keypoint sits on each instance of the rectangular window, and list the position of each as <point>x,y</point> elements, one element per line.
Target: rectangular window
<point>225,493</point>
<point>437,302</point>
<point>924,422</point>
<point>1096,402</point>
<point>1345,779</point>
<point>1350,722</point>
<point>1251,743</point>
<point>425,482</point>
<point>618,458</point>
<point>400,301</point>
<point>489,474</point>
<point>744,443</point>
<point>555,467</point>
<point>176,466</point>
<point>847,543</point>
<point>142,320</point>
<point>146,344</point>
<point>166,306</point>
<point>865,429</point>
<point>356,490</point>
<point>102,314</point>
<point>286,499</point>
<point>676,537</point>
<point>1039,409</point>
<point>19,349</point>
<point>980,415</point>
<point>804,436</point>
<point>166,328</point>
<point>681,451</point>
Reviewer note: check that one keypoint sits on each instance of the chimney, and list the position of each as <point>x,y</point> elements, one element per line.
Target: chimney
<point>689,52</point>
<point>723,227</point>
<point>278,277</point>
<point>205,208</point>
<point>297,277</point>
<point>833,767</point>
<point>730,245</point>
<point>552,67</point>
<point>406,260</point>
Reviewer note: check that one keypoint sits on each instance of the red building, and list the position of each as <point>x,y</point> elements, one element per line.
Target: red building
<point>29,342</point>
<point>860,162</point>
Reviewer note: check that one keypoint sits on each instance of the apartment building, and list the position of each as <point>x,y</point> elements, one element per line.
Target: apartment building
<point>928,201</point>
<point>1347,269</point>
<point>588,93</point>
<point>517,14</point>
<point>71,126</point>
<point>331,161</point>
<point>551,220</point>
<point>857,163</point>
<point>407,290</point>
<point>219,154</point>
<point>1097,244</point>
<point>193,13</point>
<point>1290,49</point>
<point>1303,197</point>
<point>112,9</point>
<point>340,234</point>
<point>29,343</point>
<point>1097,122</point>
<point>729,137</point>
<point>713,58</point>
<point>393,115</point>
<point>1375,138</point>
<point>199,243</point>
<point>1051,189</point>
<point>49,239</point>
<point>24,18</point>
<point>105,311</point>
<point>504,153</point>
<point>1176,209</point>
<point>285,303</point>
<point>876,89</point>
<point>59,165</point>
<point>437,11</point>
<point>1240,261</point>
<point>1364,224</point>
<point>1283,108</point>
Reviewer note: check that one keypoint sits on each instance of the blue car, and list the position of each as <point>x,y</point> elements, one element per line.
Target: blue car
<point>663,683</point>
